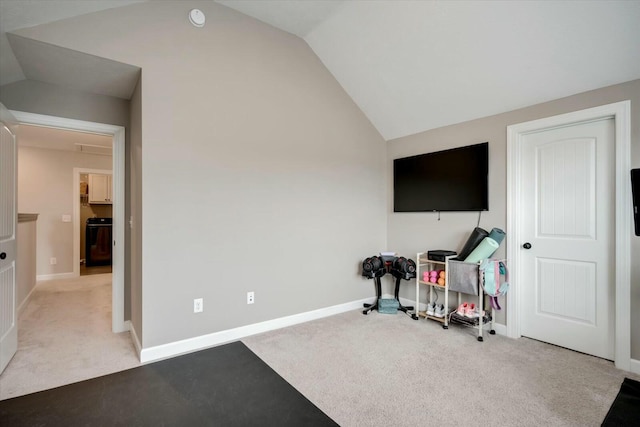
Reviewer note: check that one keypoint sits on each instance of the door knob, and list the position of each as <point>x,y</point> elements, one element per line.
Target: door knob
<point>527,245</point>
<point>3,255</point>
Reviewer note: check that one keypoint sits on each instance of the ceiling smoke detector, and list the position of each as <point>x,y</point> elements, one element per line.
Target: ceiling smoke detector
<point>197,18</point>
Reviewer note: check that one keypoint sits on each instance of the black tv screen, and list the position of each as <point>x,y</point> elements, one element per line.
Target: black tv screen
<point>450,180</point>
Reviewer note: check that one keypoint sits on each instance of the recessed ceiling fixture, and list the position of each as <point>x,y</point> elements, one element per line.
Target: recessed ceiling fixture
<point>196,17</point>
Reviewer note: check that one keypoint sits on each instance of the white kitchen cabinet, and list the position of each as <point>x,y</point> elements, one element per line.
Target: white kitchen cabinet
<point>100,189</point>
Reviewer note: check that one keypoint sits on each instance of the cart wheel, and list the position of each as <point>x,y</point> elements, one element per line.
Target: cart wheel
<point>414,317</point>
<point>365,312</point>
<point>480,339</point>
<point>492,332</point>
<point>445,326</point>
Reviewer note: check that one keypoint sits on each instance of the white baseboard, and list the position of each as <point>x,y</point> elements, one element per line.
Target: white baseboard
<point>121,326</point>
<point>204,341</point>
<point>134,338</point>
<point>500,329</point>
<point>634,366</point>
<point>57,276</point>
<point>25,302</point>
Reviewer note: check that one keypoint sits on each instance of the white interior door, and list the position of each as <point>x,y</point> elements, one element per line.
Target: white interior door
<point>8,218</point>
<point>567,217</point>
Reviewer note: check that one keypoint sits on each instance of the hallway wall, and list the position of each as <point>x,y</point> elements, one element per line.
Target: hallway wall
<point>45,186</point>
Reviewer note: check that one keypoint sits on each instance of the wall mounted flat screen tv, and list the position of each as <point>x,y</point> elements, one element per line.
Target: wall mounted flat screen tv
<point>450,180</point>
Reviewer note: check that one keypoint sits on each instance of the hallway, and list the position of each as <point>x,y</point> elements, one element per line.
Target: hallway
<point>64,336</point>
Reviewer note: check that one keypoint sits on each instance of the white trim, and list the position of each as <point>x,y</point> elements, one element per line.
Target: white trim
<point>25,301</point>
<point>500,329</point>
<point>76,213</point>
<point>204,341</point>
<point>634,366</point>
<point>55,276</point>
<point>621,113</point>
<point>118,134</point>
<point>119,221</point>
<point>134,338</point>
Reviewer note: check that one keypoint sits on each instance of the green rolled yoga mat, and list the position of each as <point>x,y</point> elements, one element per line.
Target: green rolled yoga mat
<point>484,250</point>
<point>497,235</point>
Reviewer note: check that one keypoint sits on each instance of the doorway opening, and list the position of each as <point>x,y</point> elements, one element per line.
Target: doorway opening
<point>95,221</point>
<point>117,133</point>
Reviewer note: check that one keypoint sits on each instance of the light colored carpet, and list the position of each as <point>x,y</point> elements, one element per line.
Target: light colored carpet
<point>64,336</point>
<point>361,370</point>
<point>391,370</point>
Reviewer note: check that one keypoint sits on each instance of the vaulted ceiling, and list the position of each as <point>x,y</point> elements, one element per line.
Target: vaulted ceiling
<point>409,65</point>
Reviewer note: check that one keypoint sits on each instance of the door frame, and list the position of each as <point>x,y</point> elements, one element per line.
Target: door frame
<point>118,322</point>
<point>620,112</point>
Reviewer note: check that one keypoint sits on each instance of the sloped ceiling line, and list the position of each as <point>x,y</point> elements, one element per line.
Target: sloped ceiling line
<point>68,68</point>
<point>417,65</point>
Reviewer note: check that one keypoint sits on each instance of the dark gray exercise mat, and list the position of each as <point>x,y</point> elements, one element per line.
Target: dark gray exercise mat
<point>223,386</point>
<point>625,410</point>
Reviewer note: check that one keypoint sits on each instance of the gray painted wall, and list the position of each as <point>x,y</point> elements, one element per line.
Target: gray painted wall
<point>134,172</point>
<point>258,172</point>
<point>26,244</point>
<point>417,232</point>
<point>45,186</point>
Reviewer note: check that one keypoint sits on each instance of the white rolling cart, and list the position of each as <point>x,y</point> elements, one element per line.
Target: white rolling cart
<point>465,279</point>
<point>424,263</point>
<point>462,278</point>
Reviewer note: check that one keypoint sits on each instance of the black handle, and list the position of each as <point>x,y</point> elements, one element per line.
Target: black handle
<point>3,255</point>
<point>527,245</point>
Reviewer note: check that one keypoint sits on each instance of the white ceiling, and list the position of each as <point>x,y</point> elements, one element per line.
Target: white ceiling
<point>417,65</point>
<point>59,139</point>
<point>296,17</point>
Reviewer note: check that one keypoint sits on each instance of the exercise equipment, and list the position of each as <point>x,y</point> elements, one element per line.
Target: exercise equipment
<point>497,235</point>
<point>402,268</point>
<point>477,235</point>
<point>484,250</point>
<point>375,267</point>
<point>388,306</point>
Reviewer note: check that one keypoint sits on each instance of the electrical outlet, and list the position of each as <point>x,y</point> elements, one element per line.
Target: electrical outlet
<point>250,297</point>
<point>53,261</point>
<point>198,305</point>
